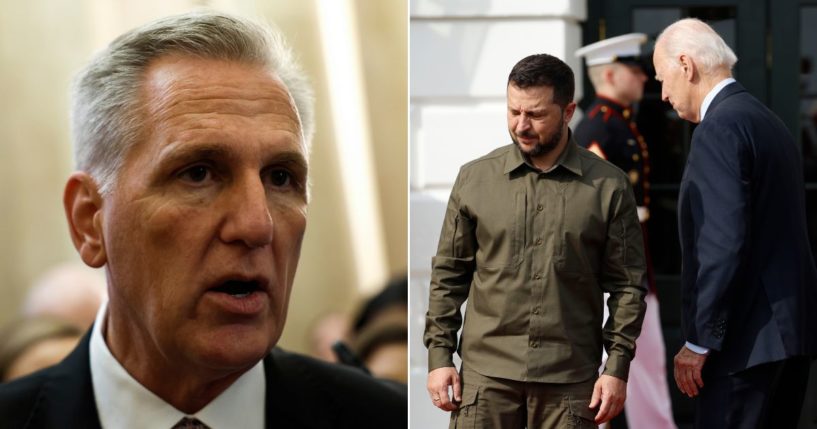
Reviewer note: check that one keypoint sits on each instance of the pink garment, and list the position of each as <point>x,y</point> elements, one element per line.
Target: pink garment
<point>648,405</point>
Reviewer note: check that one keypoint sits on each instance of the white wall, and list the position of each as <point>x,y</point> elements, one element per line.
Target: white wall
<point>461,52</point>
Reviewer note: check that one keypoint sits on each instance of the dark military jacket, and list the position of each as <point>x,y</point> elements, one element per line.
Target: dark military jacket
<point>609,128</point>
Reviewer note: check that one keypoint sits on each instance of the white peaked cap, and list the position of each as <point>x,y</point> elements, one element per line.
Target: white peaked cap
<point>609,50</point>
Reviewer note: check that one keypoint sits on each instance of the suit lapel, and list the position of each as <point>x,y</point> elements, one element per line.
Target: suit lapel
<point>67,396</point>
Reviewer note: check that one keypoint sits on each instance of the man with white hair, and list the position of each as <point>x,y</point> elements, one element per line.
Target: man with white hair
<point>192,137</point>
<point>749,284</point>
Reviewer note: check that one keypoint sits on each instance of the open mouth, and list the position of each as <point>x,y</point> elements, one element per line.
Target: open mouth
<point>238,288</point>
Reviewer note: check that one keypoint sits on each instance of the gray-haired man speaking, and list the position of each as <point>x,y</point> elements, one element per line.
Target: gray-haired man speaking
<point>192,137</point>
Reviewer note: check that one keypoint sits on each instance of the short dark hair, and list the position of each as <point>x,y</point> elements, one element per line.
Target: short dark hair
<point>545,70</point>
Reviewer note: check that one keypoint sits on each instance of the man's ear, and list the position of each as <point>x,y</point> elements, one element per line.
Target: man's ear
<point>570,109</point>
<point>83,208</point>
<point>608,74</point>
<point>688,67</point>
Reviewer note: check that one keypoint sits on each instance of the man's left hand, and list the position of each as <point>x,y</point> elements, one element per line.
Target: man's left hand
<point>611,392</point>
<point>688,366</point>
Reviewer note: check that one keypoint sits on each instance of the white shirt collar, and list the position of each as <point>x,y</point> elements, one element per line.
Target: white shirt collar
<point>124,403</point>
<point>712,93</point>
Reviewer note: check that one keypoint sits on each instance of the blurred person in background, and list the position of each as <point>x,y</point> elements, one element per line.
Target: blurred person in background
<point>380,332</point>
<point>382,346</point>
<point>71,292</point>
<point>33,343</point>
<point>192,137</point>
<point>325,331</point>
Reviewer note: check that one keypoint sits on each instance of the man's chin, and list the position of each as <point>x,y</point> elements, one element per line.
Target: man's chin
<point>535,150</point>
<point>528,147</point>
<point>234,348</point>
<point>685,116</point>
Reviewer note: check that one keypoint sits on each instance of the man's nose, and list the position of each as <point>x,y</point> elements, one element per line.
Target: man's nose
<point>248,219</point>
<point>522,123</point>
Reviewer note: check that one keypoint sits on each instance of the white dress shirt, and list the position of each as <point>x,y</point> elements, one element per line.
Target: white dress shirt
<point>712,93</point>
<point>704,107</point>
<point>123,403</point>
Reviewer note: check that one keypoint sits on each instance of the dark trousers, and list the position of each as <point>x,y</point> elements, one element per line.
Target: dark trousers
<point>764,396</point>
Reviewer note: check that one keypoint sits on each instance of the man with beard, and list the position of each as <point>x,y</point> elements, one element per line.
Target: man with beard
<point>534,234</point>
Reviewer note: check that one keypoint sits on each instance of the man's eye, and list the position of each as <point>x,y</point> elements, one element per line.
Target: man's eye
<point>280,178</point>
<point>196,174</point>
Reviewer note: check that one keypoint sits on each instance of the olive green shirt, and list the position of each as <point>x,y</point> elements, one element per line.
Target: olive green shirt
<point>533,252</point>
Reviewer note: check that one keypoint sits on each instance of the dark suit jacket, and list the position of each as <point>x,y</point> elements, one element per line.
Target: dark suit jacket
<point>749,284</point>
<point>301,393</point>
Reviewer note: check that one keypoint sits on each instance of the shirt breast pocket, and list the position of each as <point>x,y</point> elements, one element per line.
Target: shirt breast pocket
<point>583,235</point>
<point>501,225</point>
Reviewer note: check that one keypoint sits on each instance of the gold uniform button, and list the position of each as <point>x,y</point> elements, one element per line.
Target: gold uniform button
<point>635,157</point>
<point>633,176</point>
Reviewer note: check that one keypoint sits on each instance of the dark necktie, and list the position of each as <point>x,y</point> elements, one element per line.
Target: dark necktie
<point>188,423</point>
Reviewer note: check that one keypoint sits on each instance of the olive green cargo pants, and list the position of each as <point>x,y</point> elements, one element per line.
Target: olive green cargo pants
<point>496,403</point>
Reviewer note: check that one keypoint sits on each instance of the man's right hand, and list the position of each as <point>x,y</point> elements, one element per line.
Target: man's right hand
<point>438,382</point>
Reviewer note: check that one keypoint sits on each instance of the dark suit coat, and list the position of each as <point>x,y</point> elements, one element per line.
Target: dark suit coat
<point>301,393</point>
<point>749,284</point>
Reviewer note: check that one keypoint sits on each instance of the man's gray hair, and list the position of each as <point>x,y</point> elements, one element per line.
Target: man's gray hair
<point>106,116</point>
<point>698,40</point>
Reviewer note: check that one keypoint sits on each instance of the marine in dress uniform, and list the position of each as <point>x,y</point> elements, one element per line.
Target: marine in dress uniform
<point>608,129</point>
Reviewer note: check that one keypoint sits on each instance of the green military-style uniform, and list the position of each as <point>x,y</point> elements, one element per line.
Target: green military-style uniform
<point>533,252</point>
